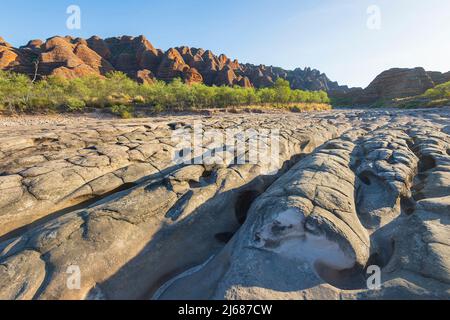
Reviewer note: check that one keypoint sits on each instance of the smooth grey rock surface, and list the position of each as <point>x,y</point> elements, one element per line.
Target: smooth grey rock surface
<point>354,188</point>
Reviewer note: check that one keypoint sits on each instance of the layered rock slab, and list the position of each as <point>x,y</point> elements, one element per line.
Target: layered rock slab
<point>302,243</point>
<point>373,181</point>
<point>111,241</point>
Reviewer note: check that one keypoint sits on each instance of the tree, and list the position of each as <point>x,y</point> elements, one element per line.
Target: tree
<point>282,91</point>
<point>19,92</point>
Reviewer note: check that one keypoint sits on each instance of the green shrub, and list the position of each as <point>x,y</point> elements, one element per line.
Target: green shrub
<point>139,100</point>
<point>438,96</point>
<point>380,104</point>
<point>438,103</point>
<point>74,104</point>
<point>441,91</point>
<point>17,92</point>
<point>158,108</point>
<point>413,104</point>
<point>125,112</point>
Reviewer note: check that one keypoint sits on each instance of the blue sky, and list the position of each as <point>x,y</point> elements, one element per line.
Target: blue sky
<point>330,35</point>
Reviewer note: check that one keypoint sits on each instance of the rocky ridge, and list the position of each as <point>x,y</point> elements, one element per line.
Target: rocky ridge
<point>139,59</point>
<point>393,84</point>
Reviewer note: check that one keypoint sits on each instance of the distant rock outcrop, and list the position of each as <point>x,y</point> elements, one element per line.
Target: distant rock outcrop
<point>71,58</point>
<point>398,83</point>
<point>140,60</point>
<point>394,84</point>
<point>193,76</point>
<point>8,56</point>
<point>439,77</point>
<point>144,76</point>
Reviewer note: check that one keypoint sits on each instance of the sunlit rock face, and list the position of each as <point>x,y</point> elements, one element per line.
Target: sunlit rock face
<point>135,56</point>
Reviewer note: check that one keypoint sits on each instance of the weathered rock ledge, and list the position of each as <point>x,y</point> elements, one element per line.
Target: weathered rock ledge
<point>352,189</point>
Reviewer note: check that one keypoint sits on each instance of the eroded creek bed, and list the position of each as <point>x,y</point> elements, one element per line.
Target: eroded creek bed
<point>351,189</point>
